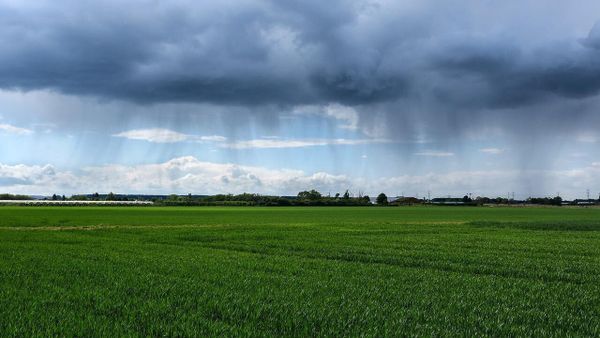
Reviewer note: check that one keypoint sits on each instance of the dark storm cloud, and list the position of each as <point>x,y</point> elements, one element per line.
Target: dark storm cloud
<point>504,76</point>
<point>148,52</point>
<point>427,69</point>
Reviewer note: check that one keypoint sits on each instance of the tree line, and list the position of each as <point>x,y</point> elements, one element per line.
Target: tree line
<point>11,197</point>
<point>303,198</point>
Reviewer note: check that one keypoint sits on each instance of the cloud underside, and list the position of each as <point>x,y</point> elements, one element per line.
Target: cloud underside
<point>290,53</point>
<point>190,175</point>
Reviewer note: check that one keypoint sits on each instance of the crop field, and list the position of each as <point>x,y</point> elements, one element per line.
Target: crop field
<point>422,271</point>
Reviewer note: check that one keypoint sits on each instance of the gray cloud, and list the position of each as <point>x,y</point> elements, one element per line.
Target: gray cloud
<point>418,71</point>
<point>294,52</point>
<point>9,181</point>
<point>506,76</point>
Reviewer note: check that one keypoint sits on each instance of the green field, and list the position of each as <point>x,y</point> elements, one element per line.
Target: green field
<point>423,271</point>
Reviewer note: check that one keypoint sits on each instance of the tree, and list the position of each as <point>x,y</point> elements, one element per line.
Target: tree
<point>312,195</point>
<point>110,197</point>
<point>14,197</point>
<point>557,200</point>
<point>346,195</point>
<point>283,201</point>
<point>382,199</point>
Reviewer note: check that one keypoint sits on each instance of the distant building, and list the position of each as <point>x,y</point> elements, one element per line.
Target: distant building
<point>585,202</point>
<point>447,201</point>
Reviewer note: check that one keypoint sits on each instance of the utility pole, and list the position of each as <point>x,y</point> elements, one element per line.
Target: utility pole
<point>588,194</point>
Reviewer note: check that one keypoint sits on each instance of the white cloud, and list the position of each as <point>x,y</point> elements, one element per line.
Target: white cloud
<point>160,135</point>
<point>491,151</point>
<point>14,130</point>
<point>179,175</point>
<point>213,138</point>
<point>156,135</point>
<point>188,174</point>
<point>347,115</point>
<point>26,173</point>
<point>435,154</point>
<point>298,143</point>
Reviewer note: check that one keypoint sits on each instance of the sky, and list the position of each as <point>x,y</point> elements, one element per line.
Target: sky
<point>404,97</point>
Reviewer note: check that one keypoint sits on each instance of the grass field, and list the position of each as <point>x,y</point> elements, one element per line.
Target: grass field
<point>122,271</point>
